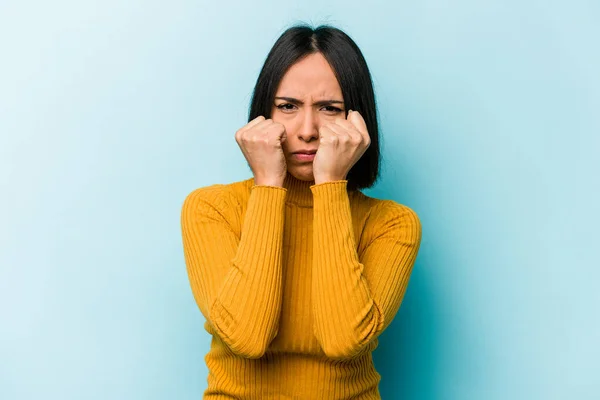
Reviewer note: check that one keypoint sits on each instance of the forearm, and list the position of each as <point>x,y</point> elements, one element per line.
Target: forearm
<point>345,314</point>
<point>247,306</point>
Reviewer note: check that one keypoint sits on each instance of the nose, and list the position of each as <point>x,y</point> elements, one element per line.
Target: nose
<point>309,128</point>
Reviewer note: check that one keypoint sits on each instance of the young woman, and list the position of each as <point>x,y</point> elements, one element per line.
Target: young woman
<point>296,271</point>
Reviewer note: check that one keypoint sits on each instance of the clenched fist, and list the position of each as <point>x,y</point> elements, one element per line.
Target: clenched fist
<point>341,144</point>
<point>261,142</point>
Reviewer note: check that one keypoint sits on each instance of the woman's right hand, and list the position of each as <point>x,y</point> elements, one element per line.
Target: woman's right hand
<point>261,142</point>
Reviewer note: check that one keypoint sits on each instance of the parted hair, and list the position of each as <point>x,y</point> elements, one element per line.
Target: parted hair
<point>352,73</point>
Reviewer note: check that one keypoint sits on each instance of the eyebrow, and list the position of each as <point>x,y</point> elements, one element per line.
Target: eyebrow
<point>316,103</point>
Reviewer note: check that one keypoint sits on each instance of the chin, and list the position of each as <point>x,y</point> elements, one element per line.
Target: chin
<point>303,174</point>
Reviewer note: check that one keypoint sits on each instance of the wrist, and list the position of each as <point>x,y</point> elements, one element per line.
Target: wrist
<point>268,182</point>
<point>319,180</point>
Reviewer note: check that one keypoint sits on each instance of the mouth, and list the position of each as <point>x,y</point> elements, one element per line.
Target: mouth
<point>304,156</point>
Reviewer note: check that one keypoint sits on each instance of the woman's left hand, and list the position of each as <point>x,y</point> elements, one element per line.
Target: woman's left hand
<point>341,144</point>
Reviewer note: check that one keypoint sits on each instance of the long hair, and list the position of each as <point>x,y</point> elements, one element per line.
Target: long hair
<point>351,71</point>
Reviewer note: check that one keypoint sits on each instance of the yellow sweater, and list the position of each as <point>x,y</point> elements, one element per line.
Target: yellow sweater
<point>295,284</point>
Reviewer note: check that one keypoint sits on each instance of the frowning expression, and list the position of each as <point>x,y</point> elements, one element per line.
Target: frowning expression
<point>308,96</point>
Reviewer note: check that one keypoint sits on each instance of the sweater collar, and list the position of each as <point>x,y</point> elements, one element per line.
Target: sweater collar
<point>298,191</point>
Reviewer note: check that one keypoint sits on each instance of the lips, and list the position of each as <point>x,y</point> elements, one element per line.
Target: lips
<point>304,156</point>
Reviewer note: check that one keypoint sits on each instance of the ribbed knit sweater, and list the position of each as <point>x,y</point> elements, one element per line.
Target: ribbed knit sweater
<point>295,283</point>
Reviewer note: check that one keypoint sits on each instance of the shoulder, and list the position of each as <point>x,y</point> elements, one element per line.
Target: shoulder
<point>386,216</point>
<point>384,207</point>
<point>213,195</point>
<point>218,197</point>
<point>391,209</point>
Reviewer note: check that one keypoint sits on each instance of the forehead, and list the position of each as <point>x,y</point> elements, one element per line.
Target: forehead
<point>312,76</point>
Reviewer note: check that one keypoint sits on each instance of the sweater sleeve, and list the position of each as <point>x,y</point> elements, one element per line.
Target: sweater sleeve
<point>356,297</point>
<point>236,279</point>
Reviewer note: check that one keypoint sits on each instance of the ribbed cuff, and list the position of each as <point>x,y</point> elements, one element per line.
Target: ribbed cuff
<point>331,195</point>
<point>269,186</point>
<point>265,216</point>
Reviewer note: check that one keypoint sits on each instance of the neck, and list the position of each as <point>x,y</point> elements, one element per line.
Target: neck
<point>298,191</point>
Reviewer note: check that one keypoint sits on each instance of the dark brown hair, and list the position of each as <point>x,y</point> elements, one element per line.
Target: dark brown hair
<point>352,74</point>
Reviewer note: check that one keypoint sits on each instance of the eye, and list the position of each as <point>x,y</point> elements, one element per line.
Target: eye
<point>333,109</point>
<point>288,107</point>
<point>284,106</point>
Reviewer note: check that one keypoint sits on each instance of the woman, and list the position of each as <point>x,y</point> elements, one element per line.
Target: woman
<point>296,271</point>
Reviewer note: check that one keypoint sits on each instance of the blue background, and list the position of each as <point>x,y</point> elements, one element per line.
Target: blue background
<point>111,112</point>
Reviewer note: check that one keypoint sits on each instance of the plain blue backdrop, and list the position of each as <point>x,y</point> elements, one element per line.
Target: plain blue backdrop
<point>111,112</point>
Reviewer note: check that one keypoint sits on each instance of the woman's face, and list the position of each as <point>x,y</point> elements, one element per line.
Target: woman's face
<point>308,96</point>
